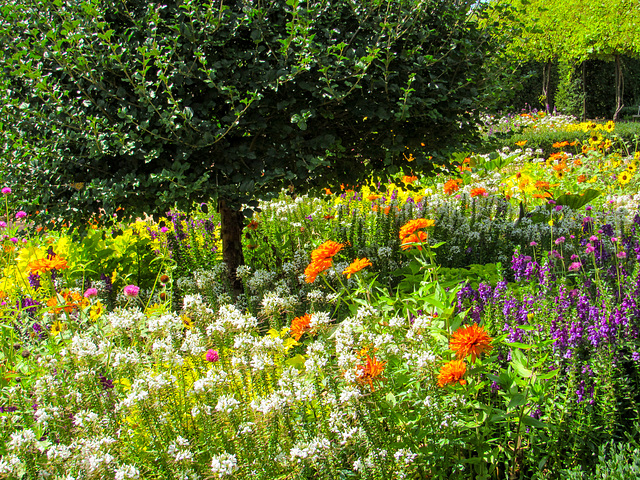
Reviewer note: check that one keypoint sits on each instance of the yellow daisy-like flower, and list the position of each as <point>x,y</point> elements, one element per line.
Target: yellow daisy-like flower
<point>96,311</point>
<point>187,322</point>
<point>624,177</point>
<point>631,168</point>
<point>521,143</point>
<point>57,328</point>
<point>609,126</point>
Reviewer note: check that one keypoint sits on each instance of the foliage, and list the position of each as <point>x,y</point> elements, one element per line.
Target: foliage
<point>148,105</point>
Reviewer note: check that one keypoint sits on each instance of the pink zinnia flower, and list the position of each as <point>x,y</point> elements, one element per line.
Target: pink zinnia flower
<point>212,355</point>
<point>621,255</point>
<point>559,240</point>
<point>91,292</point>
<point>6,190</point>
<point>131,291</point>
<point>590,249</point>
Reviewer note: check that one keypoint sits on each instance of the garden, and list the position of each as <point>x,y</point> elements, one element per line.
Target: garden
<point>240,241</point>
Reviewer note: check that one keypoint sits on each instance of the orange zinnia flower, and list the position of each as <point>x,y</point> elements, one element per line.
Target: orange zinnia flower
<point>253,225</point>
<point>326,251</point>
<point>299,326</point>
<point>42,265</point>
<point>414,240</point>
<point>315,268</point>
<point>452,373</point>
<point>471,340</point>
<point>542,185</point>
<point>409,179</point>
<point>452,186</point>
<point>357,265</point>
<point>582,178</point>
<point>370,371</point>
<point>372,197</point>
<point>413,225</point>
<point>475,192</point>
<point>542,195</point>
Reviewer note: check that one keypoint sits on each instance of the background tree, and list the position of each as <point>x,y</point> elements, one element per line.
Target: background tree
<point>148,105</point>
<point>569,33</point>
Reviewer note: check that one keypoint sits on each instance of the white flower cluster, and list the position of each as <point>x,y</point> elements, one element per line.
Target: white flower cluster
<point>179,450</point>
<point>223,464</point>
<point>311,450</point>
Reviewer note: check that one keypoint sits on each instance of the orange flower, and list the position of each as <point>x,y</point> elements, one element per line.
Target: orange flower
<point>471,340</point>
<point>475,192</point>
<point>413,225</point>
<point>327,191</point>
<point>253,225</point>
<point>409,179</point>
<point>452,186</point>
<point>521,143</point>
<point>372,198</point>
<point>560,144</point>
<point>542,195</point>
<point>357,265</point>
<point>42,265</point>
<point>299,326</point>
<point>326,251</point>
<point>414,240</point>
<point>315,268</point>
<point>541,185</point>
<point>582,178</point>
<point>577,162</point>
<point>452,373</point>
<point>370,371</point>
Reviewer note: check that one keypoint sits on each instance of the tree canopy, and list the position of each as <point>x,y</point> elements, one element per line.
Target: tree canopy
<point>146,105</point>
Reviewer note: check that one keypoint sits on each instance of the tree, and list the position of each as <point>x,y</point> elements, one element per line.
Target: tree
<point>572,31</point>
<point>147,105</point>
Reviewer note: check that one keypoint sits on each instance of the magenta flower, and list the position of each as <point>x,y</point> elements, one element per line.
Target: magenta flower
<point>3,224</point>
<point>131,291</point>
<point>212,355</point>
<point>559,240</point>
<point>91,292</point>
<point>575,266</point>
<point>21,214</point>
<point>590,249</point>
<point>6,191</point>
<point>621,255</point>
<point>533,244</point>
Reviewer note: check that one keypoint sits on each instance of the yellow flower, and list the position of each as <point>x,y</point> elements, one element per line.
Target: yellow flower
<point>521,143</point>
<point>96,311</point>
<point>624,177</point>
<point>57,328</point>
<point>631,168</point>
<point>609,126</point>
<point>187,322</point>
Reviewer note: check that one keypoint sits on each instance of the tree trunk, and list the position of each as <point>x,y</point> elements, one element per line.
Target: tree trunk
<point>584,90</point>
<point>619,88</point>
<point>546,80</point>
<point>231,225</point>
